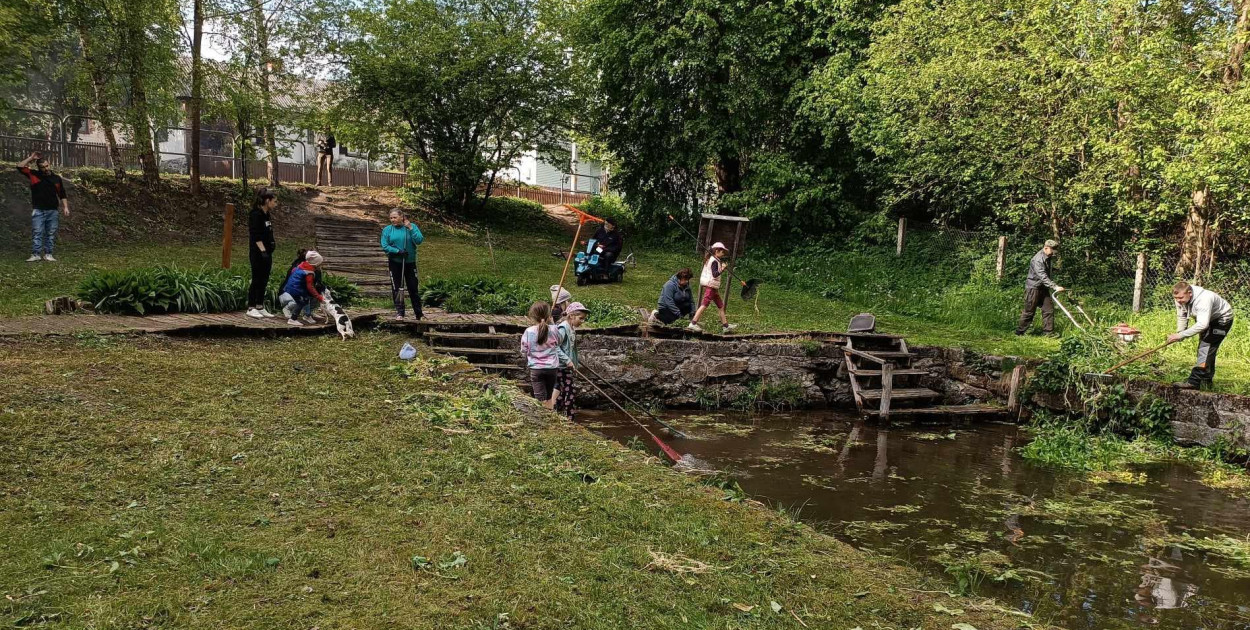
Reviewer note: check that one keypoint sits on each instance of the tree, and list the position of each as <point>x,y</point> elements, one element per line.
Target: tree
<point>680,89</point>
<point>466,85</point>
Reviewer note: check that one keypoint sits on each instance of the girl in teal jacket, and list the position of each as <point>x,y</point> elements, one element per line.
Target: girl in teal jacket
<point>399,241</point>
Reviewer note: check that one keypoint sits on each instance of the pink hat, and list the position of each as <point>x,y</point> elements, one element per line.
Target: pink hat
<point>576,307</point>
<point>719,245</point>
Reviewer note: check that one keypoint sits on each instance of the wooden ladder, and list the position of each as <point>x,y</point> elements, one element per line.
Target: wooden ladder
<point>881,374</point>
<point>479,344</point>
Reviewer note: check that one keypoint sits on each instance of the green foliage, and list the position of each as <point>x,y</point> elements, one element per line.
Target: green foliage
<point>466,85</point>
<point>164,289</point>
<point>171,289</point>
<point>758,393</point>
<point>479,294</point>
<point>609,313</point>
<point>614,206</point>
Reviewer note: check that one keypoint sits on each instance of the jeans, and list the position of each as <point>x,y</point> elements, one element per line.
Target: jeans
<point>43,225</point>
<point>1032,299</point>
<point>1209,346</point>
<point>292,306</point>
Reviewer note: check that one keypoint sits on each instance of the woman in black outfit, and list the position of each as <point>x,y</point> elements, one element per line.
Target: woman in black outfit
<point>260,248</point>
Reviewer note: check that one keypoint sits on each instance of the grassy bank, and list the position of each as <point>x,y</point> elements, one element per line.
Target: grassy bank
<point>980,319</point>
<point>306,482</point>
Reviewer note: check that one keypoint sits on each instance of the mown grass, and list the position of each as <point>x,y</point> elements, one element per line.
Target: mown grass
<point>299,483</point>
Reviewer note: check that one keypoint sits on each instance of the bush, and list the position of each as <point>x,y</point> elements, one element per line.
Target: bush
<point>606,313</point>
<point>479,294</point>
<point>169,289</point>
<point>611,206</point>
<point>164,289</point>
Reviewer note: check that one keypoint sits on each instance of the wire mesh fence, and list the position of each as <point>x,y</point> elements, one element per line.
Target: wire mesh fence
<point>1137,281</point>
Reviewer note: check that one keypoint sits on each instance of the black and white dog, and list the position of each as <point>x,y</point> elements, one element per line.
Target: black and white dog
<point>337,315</point>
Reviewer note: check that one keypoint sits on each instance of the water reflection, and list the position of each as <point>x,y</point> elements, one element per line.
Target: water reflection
<point>1075,554</point>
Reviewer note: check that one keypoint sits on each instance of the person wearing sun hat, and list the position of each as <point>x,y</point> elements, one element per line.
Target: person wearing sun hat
<point>566,335</point>
<point>709,280</point>
<point>560,298</point>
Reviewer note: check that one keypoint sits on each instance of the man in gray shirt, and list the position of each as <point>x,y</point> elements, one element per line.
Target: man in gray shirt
<point>1037,290</point>
<point>1213,320</point>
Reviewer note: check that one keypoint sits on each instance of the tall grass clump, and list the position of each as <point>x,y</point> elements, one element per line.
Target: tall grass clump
<point>164,289</point>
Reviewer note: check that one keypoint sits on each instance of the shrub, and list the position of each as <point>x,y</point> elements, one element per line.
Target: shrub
<point>169,289</point>
<point>607,313</point>
<point>614,206</point>
<point>479,294</point>
<point>164,289</point>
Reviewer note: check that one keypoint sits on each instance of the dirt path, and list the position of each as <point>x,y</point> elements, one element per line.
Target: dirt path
<point>563,216</point>
<point>360,204</point>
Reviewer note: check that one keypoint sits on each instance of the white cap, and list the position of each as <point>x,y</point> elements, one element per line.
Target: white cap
<point>314,258</point>
<point>563,296</point>
<point>719,245</point>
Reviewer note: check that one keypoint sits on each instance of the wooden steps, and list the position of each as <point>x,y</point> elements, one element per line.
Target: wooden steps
<point>479,351</point>
<point>884,382</point>
<point>906,393</point>
<point>434,334</point>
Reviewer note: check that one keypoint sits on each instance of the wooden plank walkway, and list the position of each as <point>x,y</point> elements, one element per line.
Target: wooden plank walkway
<point>52,325</point>
<point>352,251</point>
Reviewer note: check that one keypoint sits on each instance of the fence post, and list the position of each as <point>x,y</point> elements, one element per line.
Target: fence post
<point>1002,256</point>
<point>902,231</point>
<point>887,390</point>
<point>227,236</point>
<point>368,163</point>
<point>1139,282</point>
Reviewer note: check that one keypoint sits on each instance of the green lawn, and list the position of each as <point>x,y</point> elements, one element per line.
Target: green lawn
<point>527,259</point>
<point>301,483</point>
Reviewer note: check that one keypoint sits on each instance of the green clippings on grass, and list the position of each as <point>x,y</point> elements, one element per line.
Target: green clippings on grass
<point>297,482</point>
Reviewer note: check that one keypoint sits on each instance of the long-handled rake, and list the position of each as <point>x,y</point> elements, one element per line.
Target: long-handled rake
<point>673,431</point>
<point>668,451</point>
<point>1130,360</point>
<point>1055,296</point>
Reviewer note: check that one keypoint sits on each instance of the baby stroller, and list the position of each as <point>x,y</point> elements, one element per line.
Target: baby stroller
<point>593,266</point>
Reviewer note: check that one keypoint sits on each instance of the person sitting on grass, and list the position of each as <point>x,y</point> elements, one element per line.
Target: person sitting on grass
<point>566,336</point>
<point>309,316</point>
<point>300,288</point>
<point>561,297</point>
<point>676,301</point>
<point>713,268</point>
<point>540,347</point>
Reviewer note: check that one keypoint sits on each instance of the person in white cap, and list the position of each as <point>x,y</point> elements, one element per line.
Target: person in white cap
<point>300,288</point>
<point>709,279</point>
<point>560,297</point>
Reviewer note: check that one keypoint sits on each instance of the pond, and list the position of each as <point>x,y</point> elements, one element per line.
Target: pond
<point>963,505</point>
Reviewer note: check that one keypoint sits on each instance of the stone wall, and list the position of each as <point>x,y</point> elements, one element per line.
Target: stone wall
<point>1200,417</point>
<point>676,373</point>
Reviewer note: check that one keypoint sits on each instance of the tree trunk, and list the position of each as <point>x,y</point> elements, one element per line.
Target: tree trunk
<point>197,87</point>
<point>142,124</point>
<point>244,130</point>
<point>99,87</point>
<point>1200,207</point>
<point>266,103</point>
<point>728,174</point>
<point>1195,230</point>
<point>1237,53</point>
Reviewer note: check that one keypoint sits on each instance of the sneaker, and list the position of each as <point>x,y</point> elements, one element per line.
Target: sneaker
<point>293,322</point>
<point>34,258</point>
<point>265,313</point>
<point>254,313</point>
<point>693,327</point>
<point>399,318</point>
<point>730,328</point>
<point>49,258</point>
<point>1184,385</point>
<point>307,319</point>
<point>289,311</point>
<point>652,319</point>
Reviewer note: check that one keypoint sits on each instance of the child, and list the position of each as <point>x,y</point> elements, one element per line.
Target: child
<point>710,281</point>
<point>565,333</point>
<point>561,297</point>
<point>308,316</point>
<point>540,346</point>
<point>300,289</point>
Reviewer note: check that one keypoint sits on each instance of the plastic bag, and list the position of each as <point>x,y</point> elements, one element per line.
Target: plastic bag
<point>407,352</point>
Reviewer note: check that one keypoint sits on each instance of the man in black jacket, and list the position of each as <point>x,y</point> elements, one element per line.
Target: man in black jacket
<point>47,195</point>
<point>1037,290</point>
<point>608,236</point>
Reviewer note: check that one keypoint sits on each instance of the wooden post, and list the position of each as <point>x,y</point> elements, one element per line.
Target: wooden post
<point>227,236</point>
<point>368,165</point>
<point>1013,392</point>
<point>902,231</point>
<point>1139,282</point>
<point>887,389</point>
<point>730,276</point>
<point>576,235</point>
<point>1002,256</point>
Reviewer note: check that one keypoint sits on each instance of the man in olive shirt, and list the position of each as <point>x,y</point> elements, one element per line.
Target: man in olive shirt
<point>1037,290</point>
